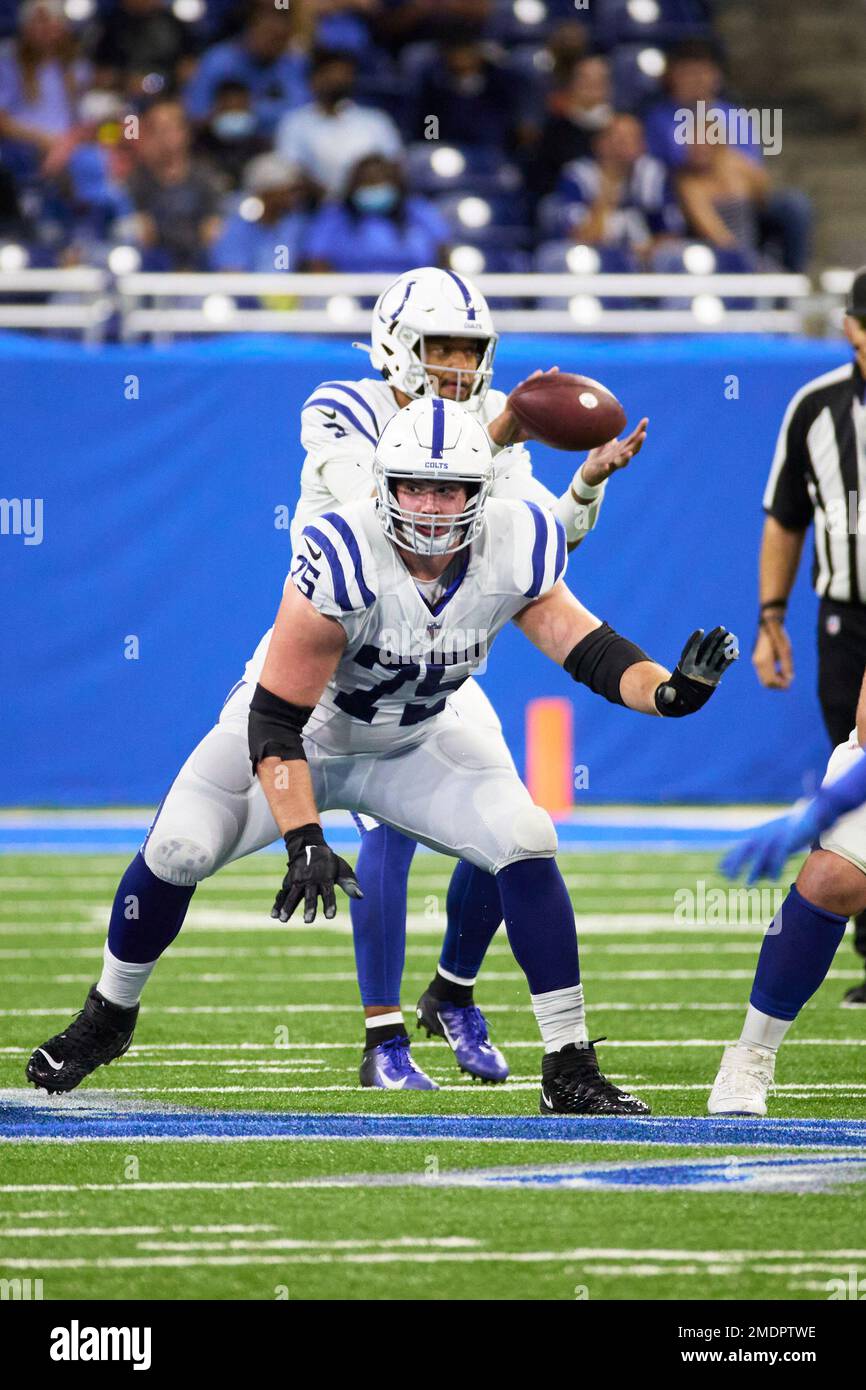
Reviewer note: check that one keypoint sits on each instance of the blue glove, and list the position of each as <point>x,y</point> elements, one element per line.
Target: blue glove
<point>768,847</point>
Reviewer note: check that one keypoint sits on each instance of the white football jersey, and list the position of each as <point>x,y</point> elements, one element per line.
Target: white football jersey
<point>340,423</point>
<point>404,657</point>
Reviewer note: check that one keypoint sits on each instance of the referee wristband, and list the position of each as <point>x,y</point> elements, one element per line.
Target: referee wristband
<point>773,611</point>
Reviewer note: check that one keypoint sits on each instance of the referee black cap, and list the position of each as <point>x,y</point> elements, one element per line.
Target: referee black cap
<point>856,304</point>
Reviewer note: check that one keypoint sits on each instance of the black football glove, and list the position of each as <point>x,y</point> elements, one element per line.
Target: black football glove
<point>314,868</point>
<point>703,662</point>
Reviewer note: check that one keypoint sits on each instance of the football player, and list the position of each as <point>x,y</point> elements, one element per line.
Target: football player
<point>344,705</point>
<point>432,335</point>
<point>801,942</point>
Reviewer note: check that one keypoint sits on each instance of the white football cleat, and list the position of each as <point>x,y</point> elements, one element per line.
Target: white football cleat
<point>744,1079</point>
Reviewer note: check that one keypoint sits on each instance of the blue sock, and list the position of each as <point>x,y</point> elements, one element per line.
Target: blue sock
<point>379,918</point>
<point>474,909</point>
<point>539,920</point>
<point>146,915</point>
<point>796,954</point>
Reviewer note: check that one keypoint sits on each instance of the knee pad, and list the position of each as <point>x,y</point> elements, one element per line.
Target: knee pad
<point>179,861</point>
<point>533,833</point>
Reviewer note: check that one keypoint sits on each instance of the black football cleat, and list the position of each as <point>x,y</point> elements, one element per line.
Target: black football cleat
<point>571,1084</point>
<point>101,1032</point>
<point>855,998</point>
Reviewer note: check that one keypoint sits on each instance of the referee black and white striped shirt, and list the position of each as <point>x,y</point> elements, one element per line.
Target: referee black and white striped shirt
<point>819,473</point>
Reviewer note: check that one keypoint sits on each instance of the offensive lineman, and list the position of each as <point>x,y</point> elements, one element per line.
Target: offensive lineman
<point>340,719</point>
<point>432,335</point>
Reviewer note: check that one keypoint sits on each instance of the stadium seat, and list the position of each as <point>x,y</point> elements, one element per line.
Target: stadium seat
<point>504,225</point>
<point>493,260</point>
<point>674,258</point>
<point>553,258</point>
<point>553,216</point>
<point>564,257</point>
<point>434,168</point>
<point>636,76</point>
<point>661,22</point>
<point>522,21</point>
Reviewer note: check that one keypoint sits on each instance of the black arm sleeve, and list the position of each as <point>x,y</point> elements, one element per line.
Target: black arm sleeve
<point>600,659</point>
<point>275,727</point>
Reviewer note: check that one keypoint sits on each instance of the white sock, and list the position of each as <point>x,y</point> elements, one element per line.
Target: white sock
<point>455,979</point>
<point>384,1020</point>
<point>560,1017</point>
<point>762,1030</point>
<point>122,981</point>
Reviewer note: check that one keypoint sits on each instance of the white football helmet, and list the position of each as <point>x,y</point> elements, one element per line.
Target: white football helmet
<point>433,441</point>
<point>431,303</point>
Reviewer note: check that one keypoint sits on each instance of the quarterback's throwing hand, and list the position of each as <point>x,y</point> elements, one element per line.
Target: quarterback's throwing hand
<point>314,869</point>
<point>703,662</point>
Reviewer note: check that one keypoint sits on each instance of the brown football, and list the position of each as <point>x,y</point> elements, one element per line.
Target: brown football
<point>567,411</point>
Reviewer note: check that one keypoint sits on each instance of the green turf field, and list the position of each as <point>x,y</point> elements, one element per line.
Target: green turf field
<point>245,1015</point>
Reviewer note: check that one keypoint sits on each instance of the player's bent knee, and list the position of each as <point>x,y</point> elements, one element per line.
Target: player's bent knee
<point>830,881</point>
<point>177,860</point>
<point>533,836</point>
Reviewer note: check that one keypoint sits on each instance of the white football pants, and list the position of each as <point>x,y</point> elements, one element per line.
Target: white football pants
<point>456,790</point>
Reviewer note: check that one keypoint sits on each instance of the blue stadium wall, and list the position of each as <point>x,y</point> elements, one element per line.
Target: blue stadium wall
<point>159,524</point>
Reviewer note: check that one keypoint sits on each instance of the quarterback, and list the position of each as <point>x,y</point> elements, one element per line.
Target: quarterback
<point>392,602</point>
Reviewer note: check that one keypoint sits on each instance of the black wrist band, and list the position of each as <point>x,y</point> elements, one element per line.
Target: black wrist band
<point>774,603</point>
<point>680,695</point>
<point>296,840</point>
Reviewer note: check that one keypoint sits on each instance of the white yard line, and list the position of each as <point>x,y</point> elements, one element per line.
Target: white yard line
<point>589,950</point>
<point>56,1232</point>
<point>636,1262</point>
<point>74,884</point>
<point>349,977</point>
<point>230,920</point>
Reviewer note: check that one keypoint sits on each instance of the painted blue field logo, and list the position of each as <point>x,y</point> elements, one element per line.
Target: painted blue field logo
<point>782,1173</point>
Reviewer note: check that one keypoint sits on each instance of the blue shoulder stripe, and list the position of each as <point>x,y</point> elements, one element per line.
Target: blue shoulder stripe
<point>344,410</point>
<point>342,526</point>
<point>356,396</point>
<point>341,593</point>
<point>538,549</point>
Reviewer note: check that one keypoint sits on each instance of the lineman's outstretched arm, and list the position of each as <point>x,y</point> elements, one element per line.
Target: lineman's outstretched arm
<point>616,668</point>
<point>303,654</point>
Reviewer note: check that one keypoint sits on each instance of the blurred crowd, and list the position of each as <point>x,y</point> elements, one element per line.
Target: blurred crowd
<point>376,135</point>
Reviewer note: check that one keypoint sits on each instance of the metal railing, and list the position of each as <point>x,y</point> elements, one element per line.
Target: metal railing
<point>139,305</point>
<point>78,300</point>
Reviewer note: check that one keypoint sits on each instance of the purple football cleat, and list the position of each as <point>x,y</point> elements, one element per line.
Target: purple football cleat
<point>390,1067</point>
<point>464,1028</point>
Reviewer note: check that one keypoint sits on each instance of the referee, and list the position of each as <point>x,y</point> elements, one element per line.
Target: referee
<point>819,475</point>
